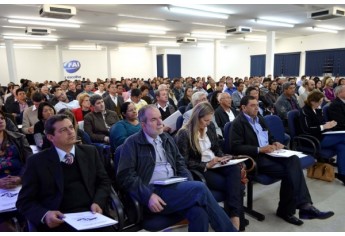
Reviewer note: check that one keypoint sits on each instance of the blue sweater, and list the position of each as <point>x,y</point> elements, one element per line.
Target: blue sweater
<point>122,130</point>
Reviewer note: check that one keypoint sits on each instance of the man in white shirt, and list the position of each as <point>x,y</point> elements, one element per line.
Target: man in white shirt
<point>64,102</point>
<point>30,114</point>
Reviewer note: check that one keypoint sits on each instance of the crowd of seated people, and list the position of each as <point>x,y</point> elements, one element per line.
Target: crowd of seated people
<point>104,111</point>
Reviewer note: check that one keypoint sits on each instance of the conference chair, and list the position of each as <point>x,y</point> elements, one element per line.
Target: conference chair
<point>179,122</point>
<point>325,112</point>
<point>276,127</point>
<point>135,217</point>
<point>255,177</point>
<point>307,143</point>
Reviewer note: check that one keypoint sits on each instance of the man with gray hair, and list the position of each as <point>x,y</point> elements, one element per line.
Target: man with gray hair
<point>286,102</point>
<point>152,155</point>
<point>98,122</point>
<point>336,110</point>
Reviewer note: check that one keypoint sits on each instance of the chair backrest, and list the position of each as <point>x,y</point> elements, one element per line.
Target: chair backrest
<point>293,123</point>
<point>182,109</point>
<point>325,112</point>
<point>226,147</point>
<point>179,122</point>
<point>276,127</point>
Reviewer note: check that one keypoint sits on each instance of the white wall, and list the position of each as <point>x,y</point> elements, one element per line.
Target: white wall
<point>234,59</point>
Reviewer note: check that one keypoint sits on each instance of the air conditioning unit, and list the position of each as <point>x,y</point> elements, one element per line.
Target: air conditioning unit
<point>326,14</point>
<point>57,11</point>
<point>186,40</point>
<point>37,31</point>
<point>239,30</point>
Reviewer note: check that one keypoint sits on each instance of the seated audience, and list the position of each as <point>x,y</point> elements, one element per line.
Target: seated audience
<point>55,182</point>
<point>44,111</point>
<point>135,97</point>
<point>163,105</point>
<point>197,142</point>
<point>14,151</point>
<point>309,85</point>
<point>178,89</point>
<point>114,101</point>
<point>98,122</point>
<point>225,112</point>
<point>328,89</point>
<point>312,122</point>
<point>151,154</point>
<point>85,106</point>
<point>251,136</point>
<point>64,102</point>
<point>187,96</point>
<point>238,95</point>
<point>30,114</point>
<point>286,102</point>
<point>272,95</point>
<point>17,107</point>
<point>336,110</point>
<point>126,127</point>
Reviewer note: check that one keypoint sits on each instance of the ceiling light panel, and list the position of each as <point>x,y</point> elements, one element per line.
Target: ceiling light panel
<point>205,8</point>
<point>273,23</point>
<point>198,13</point>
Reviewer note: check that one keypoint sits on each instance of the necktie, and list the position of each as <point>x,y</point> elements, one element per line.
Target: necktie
<point>68,158</point>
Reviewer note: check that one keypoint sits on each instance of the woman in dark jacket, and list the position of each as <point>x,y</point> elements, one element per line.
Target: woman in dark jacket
<point>313,123</point>
<point>14,150</point>
<point>198,143</point>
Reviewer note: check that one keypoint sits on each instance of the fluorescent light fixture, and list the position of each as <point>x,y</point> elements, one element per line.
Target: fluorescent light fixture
<point>45,22</point>
<point>211,25</point>
<point>254,39</point>
<point>204,8</point>
<point>144,29</point>
<point>199,13</point>
<point>330,27</point>
<point>34,38</point>
<point>25,46</point>
<point>211,35</point>
<point>319,29</point>
<point>273,23</point>
<point>164,43</point>
<point>13,27</point>
<point>85,47</point>
<point>141,17</point>
<point>162,36</point>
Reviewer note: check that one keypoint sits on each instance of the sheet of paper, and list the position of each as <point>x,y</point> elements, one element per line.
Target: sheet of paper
<point>172,180</point>
<point>171,120</point>
<point>87,220</point>
<point>8,199</point>
<point>335,132</point>
<point>284,153</point>
<point>229,163</point>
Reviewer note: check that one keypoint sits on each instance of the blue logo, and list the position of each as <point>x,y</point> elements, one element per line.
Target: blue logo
<point>72,66</point>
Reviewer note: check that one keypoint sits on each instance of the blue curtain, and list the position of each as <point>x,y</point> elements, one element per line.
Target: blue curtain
<point>174,66</point>
<point>160,71</point>
<point>287,64</point>
<point>257,65</point>
<point>320,62</point>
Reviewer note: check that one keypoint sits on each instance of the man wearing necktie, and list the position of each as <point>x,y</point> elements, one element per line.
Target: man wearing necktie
<point>113,101</point>
<point>66,178</point>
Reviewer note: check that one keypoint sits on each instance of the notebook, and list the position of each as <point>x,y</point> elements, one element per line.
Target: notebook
<point>171,180</point>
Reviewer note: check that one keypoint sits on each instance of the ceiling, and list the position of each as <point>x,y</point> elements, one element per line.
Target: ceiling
<point>98,22</point>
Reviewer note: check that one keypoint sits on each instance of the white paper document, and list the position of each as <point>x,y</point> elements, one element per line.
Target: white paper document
<point>284,153</point>
<point>8,199</point>
<point>171,180</point>
<point>171,120</point>
<point>335,132</point>
<point>88,220</point>
<point>229,163</point>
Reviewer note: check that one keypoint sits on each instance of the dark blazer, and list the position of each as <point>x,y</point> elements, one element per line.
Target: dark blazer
<point>311,121</point>
<point>336,111</point>
<point>43,183</point>
<point>243,139</point>
<point>110,105</point>
<point>193,157</point>
<point>222,117</point>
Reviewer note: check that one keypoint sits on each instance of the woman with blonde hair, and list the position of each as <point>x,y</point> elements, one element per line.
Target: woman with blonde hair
<point>328,89</point>
<point>198,142</point>
<point>85,106</point>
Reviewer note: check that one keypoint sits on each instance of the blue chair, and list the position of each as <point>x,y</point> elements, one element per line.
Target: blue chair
<point>307,143</point>
<point>182,109</point>
<point>135,217</point>
<point>325,112</point>
<point>179,122</point>
<point>263,179</point>
<point>276,127</point>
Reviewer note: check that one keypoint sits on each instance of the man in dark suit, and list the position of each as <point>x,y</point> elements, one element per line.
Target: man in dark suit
<point>250,136</point>
<point>336,110</point>
<point>17,107</point>
<point>63,179</point>
<point>113,102</point>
